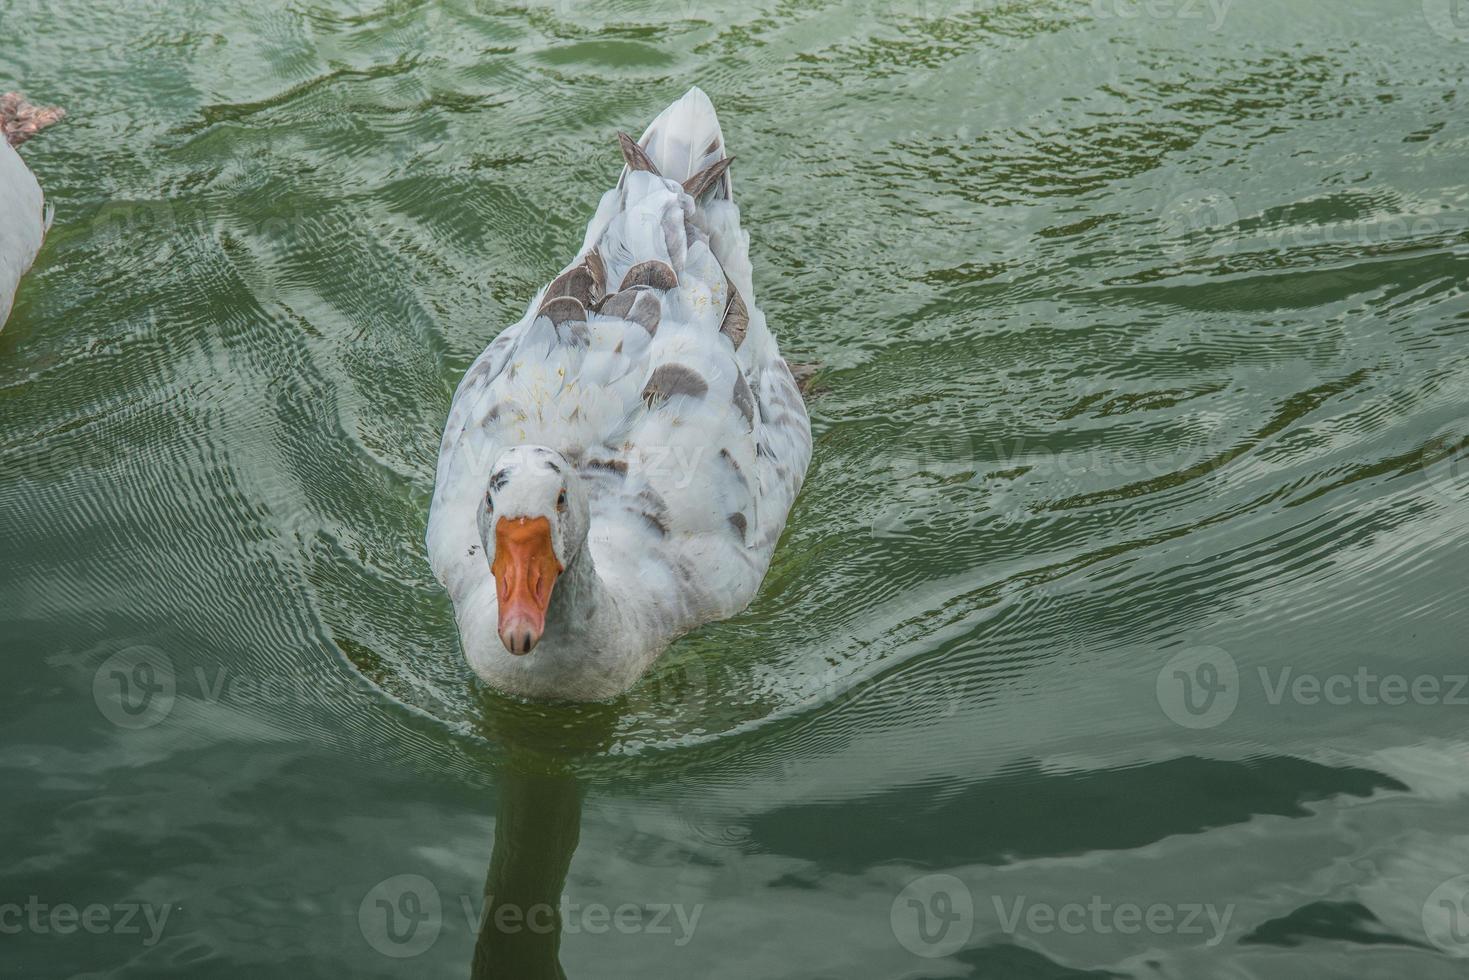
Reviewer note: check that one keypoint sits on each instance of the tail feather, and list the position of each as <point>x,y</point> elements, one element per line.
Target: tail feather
<point>686,138</point>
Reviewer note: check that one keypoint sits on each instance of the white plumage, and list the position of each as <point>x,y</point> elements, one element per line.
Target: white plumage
<point>643,385</point>
<point>24,217</point>
<point>22,223</point>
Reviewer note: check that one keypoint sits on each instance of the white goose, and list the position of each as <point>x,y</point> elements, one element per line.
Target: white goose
<point>617,467</point>
<point>23,215</point>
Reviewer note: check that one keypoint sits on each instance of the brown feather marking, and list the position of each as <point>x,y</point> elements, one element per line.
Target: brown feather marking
<point>576,282</point>
<point>736,318</point>
<point>668,380</point>
<point>619,304</point>
<point>563,308</point>
<point>646,311</point>
<point>611,465</point>
<point>654,273</point>
<point>636,305</point>
<point>598,270</point>
<point>700,182</point>
<point>637,158</point>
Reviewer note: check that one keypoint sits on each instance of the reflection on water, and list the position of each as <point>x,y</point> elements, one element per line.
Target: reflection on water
<point>537,824</point>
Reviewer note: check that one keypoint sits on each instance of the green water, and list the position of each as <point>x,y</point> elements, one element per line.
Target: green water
<point>1127,590</point>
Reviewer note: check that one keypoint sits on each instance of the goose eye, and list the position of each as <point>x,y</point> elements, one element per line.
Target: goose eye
<point>489,504</point>
<point>561,500</point>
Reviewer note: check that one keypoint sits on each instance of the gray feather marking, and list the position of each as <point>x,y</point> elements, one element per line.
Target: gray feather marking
<point>669,380</point>
<point>744,398</point>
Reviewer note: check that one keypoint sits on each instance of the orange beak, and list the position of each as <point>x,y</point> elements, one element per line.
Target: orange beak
<point>525,573</point>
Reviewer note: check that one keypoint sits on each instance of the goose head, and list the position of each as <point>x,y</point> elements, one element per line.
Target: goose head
<point>533,523</point>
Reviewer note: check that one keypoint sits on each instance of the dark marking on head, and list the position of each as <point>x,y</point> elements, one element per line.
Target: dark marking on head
<point>669,380</point>
<point>499,479</point>
<point>553,467</point>
<point>700,182</point>
<point>744,398</point>
<point>737,520</point>
<point>637,158</point>
<point>736,318</point>
<point>654,272</point>
<point>472,549</point>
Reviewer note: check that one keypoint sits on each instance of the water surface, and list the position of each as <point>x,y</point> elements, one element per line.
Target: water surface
<point>1142,464</point>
